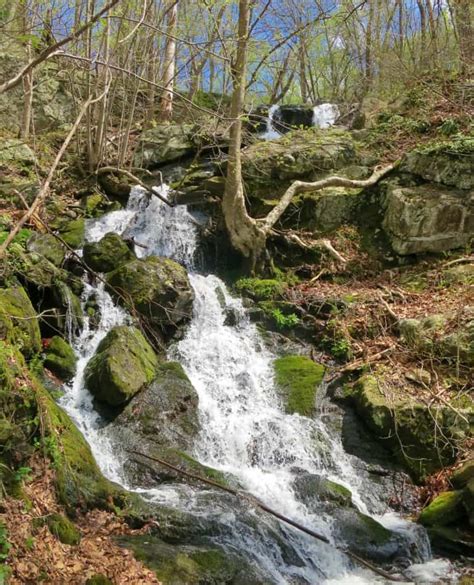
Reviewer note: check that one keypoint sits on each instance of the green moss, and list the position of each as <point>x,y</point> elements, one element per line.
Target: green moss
<point>60,358</point>
<point>122,365</point>
<point>19,321</point>
<point>446,509</point>
<point>73,232</point>
<point>463,475</point>
<point>48,246</point>
<point>299,378</point>
<point>174,368</point>
<point>107,254</point>
<point>260,289</point>
<point>63,529</point>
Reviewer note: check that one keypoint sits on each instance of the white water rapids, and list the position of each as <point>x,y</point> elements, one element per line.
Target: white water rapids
<point>245,430</point>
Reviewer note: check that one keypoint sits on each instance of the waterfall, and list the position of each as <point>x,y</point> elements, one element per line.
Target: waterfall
<point>245,430</point>
<point>271,133</point>
<point>325,115</point>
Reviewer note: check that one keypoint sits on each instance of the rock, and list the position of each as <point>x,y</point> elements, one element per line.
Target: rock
<point>451,540</point>
<point>19,321</point>
<point>165,143</point>
<point>107,254</point>
<point>463,273</point>
<point>97,204</point>
<point>329,209</point>
<point>123,364</point>
<point>60,358</point>
<point>161,421</point>
<point>468,501</point>
<point>428,219</point>
<point>450,163</point>
<point>298,378</point>
<point>48,246</point>
<point>63,529</point>
<point>16,153</point>
<point>158,289</point>
<point>447,508</point>
<point>463,475</point>
<point>73,233</point>
<point>313,153</point>
<point>310,486</point>
<point>410,428</point>
<point>193,565</point>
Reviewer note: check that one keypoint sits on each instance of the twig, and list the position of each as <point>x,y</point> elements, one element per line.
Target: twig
<point>150,190</point>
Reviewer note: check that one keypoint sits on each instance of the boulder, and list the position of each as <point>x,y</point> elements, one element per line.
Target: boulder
<point>72,232</point>
<point>107,254</point>
<point>447,508</point>
<point>428,218</point>
<point>19,321</point>
<point>310,486</point>
<point>123,364</point>
<point>158,289</point>
<point>60,358</point>
<point>47,246</point>
<point>165,143</point>
<point>298,378</point>
<point>15,152</point>
<point>450,163</point>
<point>161,421</point>
<point>463,475</point>
<point>409,427</point>
<point>302,154</point>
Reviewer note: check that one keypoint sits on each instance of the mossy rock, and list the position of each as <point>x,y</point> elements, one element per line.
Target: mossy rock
<point>16,153</point>
<point>123,364</point>
<point>192,565</point>
<point>445,509</point>
<point>63,529</point>
<point>158,289</point>
<point>462,476</point>
<point>107,254</point>
<point>310,486</point>
<point>60,358</point>
<point>452,540</point>
<point>409,427</point>
<point>48,246</point>
<point>468,501</point>
<point>73,232</point>
<point>299,378</point>
<point>19,321</point>
<point>38,272</point>
<point>96,204</point>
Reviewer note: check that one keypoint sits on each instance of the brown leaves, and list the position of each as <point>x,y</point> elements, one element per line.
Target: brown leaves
<point>38,556</point>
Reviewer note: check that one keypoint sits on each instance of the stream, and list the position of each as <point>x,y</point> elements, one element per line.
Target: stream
<point>245,431</point>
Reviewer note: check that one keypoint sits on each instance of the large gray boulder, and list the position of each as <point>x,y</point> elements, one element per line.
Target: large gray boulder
<point>428,218</point>
<point>123,364</point>
<point>165,143</point>
<point>158,289</point>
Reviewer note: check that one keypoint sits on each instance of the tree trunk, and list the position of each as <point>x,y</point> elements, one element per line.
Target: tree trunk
<point>244,233</point>
<point>166,104</point>
<point>464,21</point>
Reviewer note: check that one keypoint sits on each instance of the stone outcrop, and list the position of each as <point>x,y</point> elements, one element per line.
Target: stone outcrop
<point>165,143</point>
<point>107,254</point>
<point>428,218</point>
<point>60,358</point>
<point>19,321</point>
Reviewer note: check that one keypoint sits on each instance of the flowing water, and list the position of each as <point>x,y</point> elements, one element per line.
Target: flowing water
<point>271,133</point>
<point>245,431</point>
<point>325,115</point>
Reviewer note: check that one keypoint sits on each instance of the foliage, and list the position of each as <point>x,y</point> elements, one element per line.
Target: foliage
<point>284,321</point>
<point>260,289</point>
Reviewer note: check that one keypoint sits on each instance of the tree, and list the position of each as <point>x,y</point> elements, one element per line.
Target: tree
<point>169,66</point>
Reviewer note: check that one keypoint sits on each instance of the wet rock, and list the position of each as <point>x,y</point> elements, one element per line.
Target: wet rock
<point>299,379</point>
<point>165,143</point>
<point>428,218</point>
<point>451,540</point>
<point>48,246</point>
<point>19,321</point>
<point>312,487</point>
<point>97,204</point>
<point>72,233</point>
<point>107,254</point>
<point>60,358</point>
<point>123,364</point>
<point>158,289</point>
<point>193,565</point>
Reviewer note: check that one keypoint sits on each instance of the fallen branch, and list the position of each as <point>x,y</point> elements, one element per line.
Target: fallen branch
<point>322,244</point>
<point>265,508</point>
<point>465,260</point>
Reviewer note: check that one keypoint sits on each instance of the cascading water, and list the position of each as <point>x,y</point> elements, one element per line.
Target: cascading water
<point>325,115</point>
<point>245,431</point>
<point>271,133</point>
